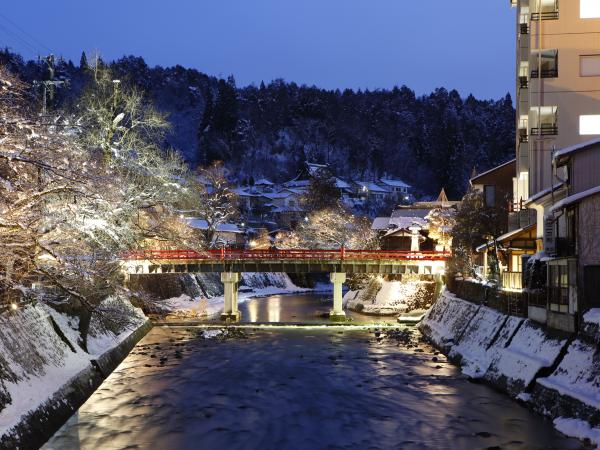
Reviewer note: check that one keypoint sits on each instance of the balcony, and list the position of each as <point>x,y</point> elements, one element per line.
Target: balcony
<point>546,15</point>
<point>523,82</point>
<point>545,130</point>
<point>546,73</point>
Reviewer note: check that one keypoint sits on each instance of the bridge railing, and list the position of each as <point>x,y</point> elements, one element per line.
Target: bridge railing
<point>288,254</point>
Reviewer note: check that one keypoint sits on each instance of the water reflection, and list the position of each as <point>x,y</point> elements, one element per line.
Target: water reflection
<point>298,308</point>
<point>296,388</point>
<point>274,308</point>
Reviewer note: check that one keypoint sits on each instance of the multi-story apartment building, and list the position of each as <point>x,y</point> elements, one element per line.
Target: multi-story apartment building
<point>558,95</point>
<point>558,108</point>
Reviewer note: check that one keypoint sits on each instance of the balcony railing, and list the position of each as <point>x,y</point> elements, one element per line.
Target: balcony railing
<point>548,15</point>
<point>512,281</point>
<point>523,82</point>
<point>546,73</point>
<point>545,130</point>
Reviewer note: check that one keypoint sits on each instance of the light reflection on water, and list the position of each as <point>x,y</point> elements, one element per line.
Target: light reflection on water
<point>298,308</point>
<point>296,388</point>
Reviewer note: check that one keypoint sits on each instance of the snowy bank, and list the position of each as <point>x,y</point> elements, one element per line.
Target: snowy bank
<point>446,320</point>
<point>41,362</point>
<point>391,296</point>
<point>558,375</point>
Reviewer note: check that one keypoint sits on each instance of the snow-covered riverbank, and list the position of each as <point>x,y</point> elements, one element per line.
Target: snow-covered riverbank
<point>556,374</point>
<point>390,296</point>
<point>45,373</point>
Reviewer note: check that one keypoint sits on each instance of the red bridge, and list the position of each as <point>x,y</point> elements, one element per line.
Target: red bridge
<point>276,254</point>
<point>230,263</point>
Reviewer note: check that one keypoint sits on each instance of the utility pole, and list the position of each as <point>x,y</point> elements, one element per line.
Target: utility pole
<point>49,85</point>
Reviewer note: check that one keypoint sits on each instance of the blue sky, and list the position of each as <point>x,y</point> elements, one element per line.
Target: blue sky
<point>467,45</point>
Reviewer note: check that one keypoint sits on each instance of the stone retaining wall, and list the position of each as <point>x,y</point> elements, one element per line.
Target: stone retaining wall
<point>557,374</point>
<point>39,424</point>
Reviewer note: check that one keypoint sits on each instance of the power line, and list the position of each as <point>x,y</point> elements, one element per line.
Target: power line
<point>22,41</point>
<point>33,38</point>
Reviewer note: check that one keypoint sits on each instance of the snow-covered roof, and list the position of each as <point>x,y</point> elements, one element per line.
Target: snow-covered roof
<point>341,184</point>
<point>398,223</point>
<point>372,187</point>
<point>542,194</point>
<point>297,183</point>
<point>243,192</point>
<point>380,223</point>
<point>575,198</point>
<point>276,195</point>
<point>407,211</point>
<point>201,224</point>
<point>284,209</point>
<point>575,148</point>
<point>394,183</point>
<point>313,168</point>
<point>296,191</point>
<point>505,237</point>
<point>263,182</point>
<point>405,223</point>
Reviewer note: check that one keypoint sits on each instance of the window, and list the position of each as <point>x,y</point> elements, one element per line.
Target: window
<point>544,120</point>
<point>489,192</point>
<point>589,125</point>
<point>517,263</point>
<point>589,9</point>
<point>548,66</point>
<point>547,10</point>
<point>558,288</point>
<point>589,65</point>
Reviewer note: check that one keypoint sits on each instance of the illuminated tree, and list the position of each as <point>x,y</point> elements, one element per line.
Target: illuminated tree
<point>336,228</point>
<point>216,202</point>
<point>441,221</point>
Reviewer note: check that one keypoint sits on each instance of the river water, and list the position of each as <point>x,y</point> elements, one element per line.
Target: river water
<point>287,387</point>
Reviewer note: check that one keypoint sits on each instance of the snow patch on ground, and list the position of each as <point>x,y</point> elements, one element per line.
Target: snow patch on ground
<point>578,375</point>
<point>592,316</point>
<point>211,334</point>
<point>577,428</point>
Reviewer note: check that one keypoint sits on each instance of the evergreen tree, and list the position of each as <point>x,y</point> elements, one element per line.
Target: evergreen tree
<point>83,62</point>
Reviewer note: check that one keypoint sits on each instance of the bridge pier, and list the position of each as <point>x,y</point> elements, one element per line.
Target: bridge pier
<point>230,283</point>
<point>337,314</point>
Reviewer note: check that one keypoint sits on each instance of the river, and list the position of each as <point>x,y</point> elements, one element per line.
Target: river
<point>288,387</point>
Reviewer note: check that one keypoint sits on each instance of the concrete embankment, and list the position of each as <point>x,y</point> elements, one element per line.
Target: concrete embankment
<point>46,375</point>
<point>557,374</point>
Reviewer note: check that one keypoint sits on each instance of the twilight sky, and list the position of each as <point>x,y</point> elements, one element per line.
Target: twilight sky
<point>467,45</point>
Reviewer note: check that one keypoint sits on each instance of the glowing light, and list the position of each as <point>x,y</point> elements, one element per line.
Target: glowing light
<point>14,306</point>
<point>590,9</point>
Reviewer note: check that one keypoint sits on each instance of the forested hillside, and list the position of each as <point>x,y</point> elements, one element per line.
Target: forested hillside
<point>430,141</point>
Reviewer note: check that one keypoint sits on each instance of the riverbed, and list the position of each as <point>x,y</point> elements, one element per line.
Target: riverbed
<point>287,387</point>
